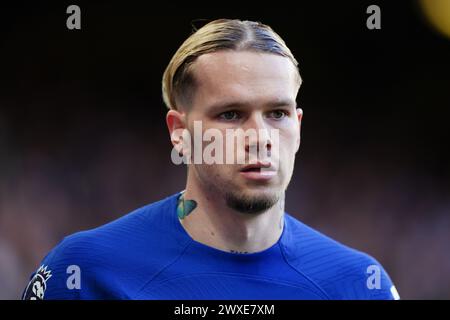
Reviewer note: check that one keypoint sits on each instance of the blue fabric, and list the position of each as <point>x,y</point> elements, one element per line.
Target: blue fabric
<point>147,254</point>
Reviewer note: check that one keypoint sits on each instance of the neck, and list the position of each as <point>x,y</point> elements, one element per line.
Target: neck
<point>213,223</point>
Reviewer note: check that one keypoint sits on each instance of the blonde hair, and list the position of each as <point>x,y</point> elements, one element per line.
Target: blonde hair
<point>178,83</point>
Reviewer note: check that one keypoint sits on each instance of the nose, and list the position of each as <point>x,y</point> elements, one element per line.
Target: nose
<point>262,139</point>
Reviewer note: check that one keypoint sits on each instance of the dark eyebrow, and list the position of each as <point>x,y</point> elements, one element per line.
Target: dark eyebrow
<point>225,106</point>
<point>242,105</point>
<point>284,103</point>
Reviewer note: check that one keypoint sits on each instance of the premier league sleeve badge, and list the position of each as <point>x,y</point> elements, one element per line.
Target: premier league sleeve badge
<point>37,285</point>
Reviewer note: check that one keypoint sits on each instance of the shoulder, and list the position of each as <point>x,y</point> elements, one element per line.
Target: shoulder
<point>138,230</point>
<point>340,271</point>
<point>116,257</point>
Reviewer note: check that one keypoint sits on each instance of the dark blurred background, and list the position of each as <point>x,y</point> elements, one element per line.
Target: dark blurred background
<point>83,137</point>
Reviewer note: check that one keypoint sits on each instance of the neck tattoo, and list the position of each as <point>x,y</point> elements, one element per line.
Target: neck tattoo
<point>185,207</point>
<point>239,252</point>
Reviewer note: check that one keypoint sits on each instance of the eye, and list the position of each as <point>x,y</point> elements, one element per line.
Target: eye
<point>277,114</point>
<point>229,115</point>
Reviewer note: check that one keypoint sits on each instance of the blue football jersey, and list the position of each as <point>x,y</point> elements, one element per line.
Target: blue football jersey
<point>147,254</point>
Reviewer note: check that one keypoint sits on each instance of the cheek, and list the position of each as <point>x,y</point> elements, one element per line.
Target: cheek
<point>215,171</point>
<point>288,142</point>
<point>288,146</point>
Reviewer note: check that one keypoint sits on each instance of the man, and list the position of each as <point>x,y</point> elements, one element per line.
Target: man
<point>226,236</point>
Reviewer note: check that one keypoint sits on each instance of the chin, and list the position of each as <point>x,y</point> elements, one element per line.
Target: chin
<point>259,192</point>
<point>251,201</point>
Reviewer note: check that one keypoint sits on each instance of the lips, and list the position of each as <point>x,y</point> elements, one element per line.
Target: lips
<point>256,167</point>
<point>260,171</point>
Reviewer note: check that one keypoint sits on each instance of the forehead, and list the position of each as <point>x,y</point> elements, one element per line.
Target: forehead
<point>245,76</point>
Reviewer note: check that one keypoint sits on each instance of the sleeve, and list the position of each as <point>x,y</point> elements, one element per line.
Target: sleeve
<point>358,276</point>
<point>57,278</point>
<point>377,285</point>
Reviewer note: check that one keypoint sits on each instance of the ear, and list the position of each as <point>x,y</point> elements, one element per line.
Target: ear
<point>175,121</point>
<point>299,117</point>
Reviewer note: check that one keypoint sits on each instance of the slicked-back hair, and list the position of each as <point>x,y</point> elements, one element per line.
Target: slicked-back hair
<point>178,83</point>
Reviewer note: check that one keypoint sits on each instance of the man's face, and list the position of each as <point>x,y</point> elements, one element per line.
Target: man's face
<point>247,90</point>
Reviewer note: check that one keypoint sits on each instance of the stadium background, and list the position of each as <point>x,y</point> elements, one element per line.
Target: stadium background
<point>83,137</point>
